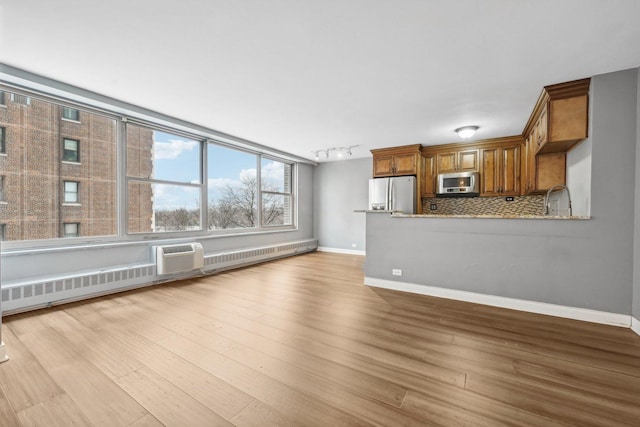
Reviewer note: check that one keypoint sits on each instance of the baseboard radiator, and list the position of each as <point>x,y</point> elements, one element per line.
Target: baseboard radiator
<point>172,262</point>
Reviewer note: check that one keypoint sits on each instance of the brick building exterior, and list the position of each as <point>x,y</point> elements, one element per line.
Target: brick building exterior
<point>58,171</point>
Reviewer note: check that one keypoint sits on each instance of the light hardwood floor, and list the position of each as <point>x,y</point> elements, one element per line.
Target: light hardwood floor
<point>301,341</point>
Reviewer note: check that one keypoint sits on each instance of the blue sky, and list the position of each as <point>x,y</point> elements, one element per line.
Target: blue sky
<point>177,159</point>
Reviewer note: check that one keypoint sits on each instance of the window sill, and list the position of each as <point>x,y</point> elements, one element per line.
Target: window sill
<point>70,120</point>
<point>71,163</point>
<point>71,204</point>
<point>2,202</point>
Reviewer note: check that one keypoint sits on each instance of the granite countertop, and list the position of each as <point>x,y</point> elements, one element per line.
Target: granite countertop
<point>395,212</point>
<point>402,215</point>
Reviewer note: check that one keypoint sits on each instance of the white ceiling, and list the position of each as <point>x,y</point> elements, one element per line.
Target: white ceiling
<point>303,75</point>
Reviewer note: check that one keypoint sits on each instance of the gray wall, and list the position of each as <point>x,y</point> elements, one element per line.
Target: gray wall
<point>340,188</point>
<point>27,265</point>
<point>636,246</point>
<point>578,263</point>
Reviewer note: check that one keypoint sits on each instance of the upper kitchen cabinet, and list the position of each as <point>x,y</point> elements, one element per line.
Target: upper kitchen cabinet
<point>560,118</point>
<point>500,168</point>
<point>429,175</point>
<point>462,160</point>
<point>397,161</point>
<point>541,171</point>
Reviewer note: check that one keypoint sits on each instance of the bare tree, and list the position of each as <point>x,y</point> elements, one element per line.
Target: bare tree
<point>177,219</point>
<point>237,207</point>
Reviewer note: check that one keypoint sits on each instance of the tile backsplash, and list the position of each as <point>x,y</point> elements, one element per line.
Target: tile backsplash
<point>521,205</point>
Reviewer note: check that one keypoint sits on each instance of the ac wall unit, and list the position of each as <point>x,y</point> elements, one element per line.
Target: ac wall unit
<point>179,258</point>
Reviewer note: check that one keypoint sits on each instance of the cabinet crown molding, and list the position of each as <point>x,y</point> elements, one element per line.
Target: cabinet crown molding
<point>413,148</point>
<point>480,144</point>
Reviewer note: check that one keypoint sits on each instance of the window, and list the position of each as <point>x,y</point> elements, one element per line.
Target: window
<point>70,114</point>
<point>276,193</point>
<point>71,150</point>
<point>71,229</point>
<point>2,98</point>
<point>162,172</point>
<point>3,230</point>
<point>30,215</point>
<point>2,182</point>
<point>3,133</point>
<point>232,188</point>
<point>163,181</point>
<point>70,191</point>
<point>20,99</point>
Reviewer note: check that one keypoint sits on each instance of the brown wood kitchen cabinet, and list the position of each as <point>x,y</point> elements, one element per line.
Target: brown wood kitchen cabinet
<point>500,170</point>
<point>396,161</point>
<point>541,171</point>
<point>558,122</point>
<point>560,117</point>
<point>429,175</point>
<point>457,161</point>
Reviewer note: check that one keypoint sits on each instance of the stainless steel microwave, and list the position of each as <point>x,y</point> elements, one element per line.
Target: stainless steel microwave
<point>458,184</point>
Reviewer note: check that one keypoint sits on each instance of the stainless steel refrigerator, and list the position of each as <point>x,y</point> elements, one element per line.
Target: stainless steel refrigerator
<point>397,193</point>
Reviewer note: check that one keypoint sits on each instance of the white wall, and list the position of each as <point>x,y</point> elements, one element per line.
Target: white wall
<point>579,177</point>
<point>340,188</point>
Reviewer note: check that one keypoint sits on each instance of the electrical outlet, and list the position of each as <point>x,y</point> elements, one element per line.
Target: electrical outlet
<point>396,272</point>
<point>433,207</point>
<point>353,245</point>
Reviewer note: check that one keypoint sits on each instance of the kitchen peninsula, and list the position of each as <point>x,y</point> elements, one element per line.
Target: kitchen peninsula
<point>580,268</point>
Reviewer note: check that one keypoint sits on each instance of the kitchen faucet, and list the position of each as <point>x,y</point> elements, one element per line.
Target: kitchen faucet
<point>551,190</point>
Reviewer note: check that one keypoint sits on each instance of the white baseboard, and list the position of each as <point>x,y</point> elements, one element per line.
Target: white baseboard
<point>575,313</point>
<point>3,353</point>
<point>635,325</point>
<point>341,251</point>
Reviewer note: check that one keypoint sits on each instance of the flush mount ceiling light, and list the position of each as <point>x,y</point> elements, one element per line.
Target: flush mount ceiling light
<point>466,131</point>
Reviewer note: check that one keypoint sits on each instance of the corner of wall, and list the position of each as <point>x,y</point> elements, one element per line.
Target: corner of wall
<point>635,305</point>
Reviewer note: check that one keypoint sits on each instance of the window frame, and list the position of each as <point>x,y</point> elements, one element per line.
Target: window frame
<point>3,182</point>
<point>71,119</point>
<point>77,150</point>
<point>65,192</point>
<point>132,179</point>
<point>293,180</point>
<point>64,230</point>
<point>3,140</point>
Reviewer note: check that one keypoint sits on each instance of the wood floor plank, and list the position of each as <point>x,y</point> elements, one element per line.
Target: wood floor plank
<point>258,414</point>
<point>166,402</point>
<point>299,406</point>
<point>59,411</point>
<point>8,416</point>
<point>24,380</point>
<point>215,394</point>
<point>94,346</point>
<point>82,381</point>
<point>147,421</point>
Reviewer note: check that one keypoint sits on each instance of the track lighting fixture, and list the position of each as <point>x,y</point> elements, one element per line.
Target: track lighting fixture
<point>341,152</point>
